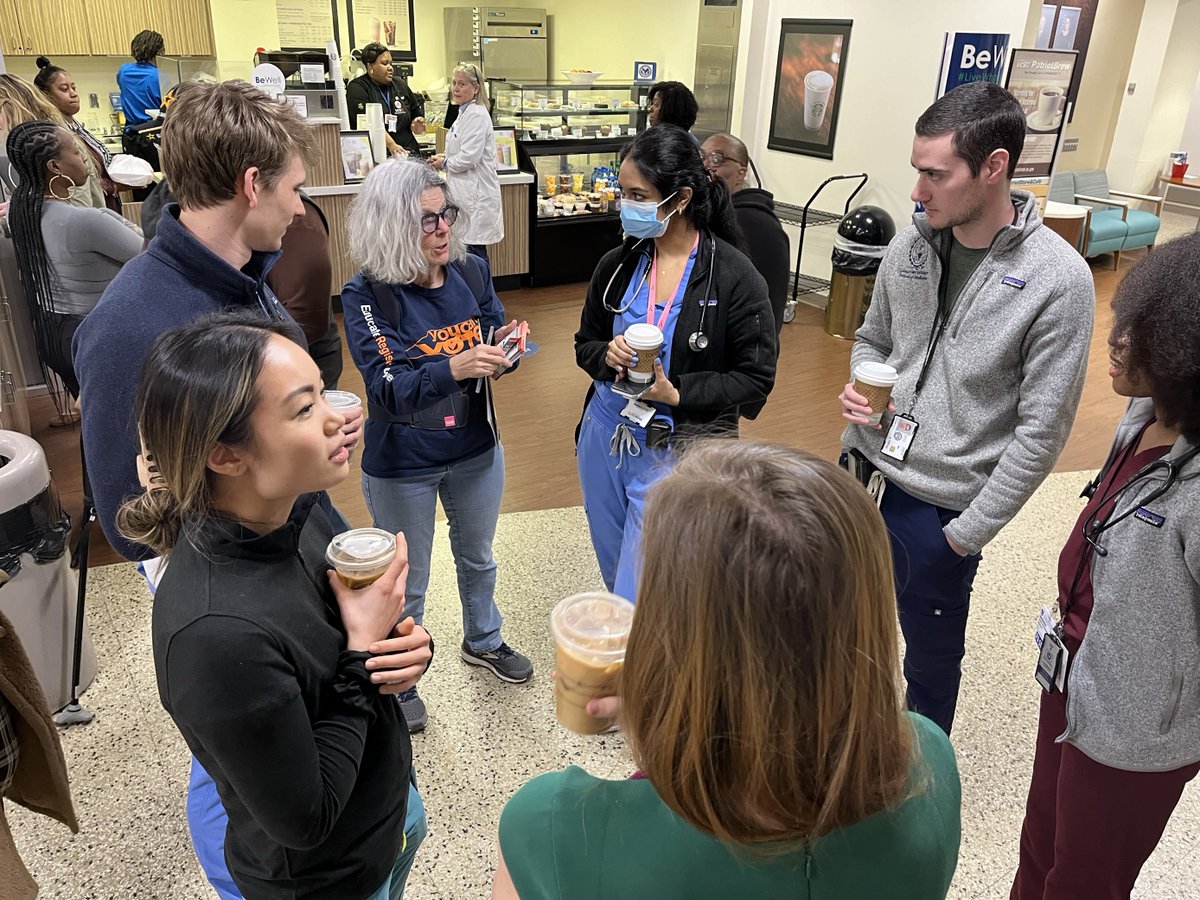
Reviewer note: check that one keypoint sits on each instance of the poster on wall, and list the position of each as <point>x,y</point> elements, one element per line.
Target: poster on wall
<point>808,85</point>
<point>306,24</point>
<point>972,56</point>
<point>1068,27</point>
<point>1039,79</point>
<point>387,22</point>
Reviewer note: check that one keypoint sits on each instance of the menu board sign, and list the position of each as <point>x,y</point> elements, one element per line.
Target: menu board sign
<point>387,22</point>
<point>1040,80</point>
<point>306,24</point>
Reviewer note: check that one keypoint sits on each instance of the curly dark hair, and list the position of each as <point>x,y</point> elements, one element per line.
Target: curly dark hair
<point>1154,310</point>
<point>678,104</point>
<point>146,45</point>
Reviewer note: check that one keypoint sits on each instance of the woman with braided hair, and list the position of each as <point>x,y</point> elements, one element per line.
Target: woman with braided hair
<point>66,254</point>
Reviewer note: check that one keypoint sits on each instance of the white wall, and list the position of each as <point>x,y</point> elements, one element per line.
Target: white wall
<point>1173,100</point>
<point>890,77</point>
<point>1129,164</point>
<point>1190,139</point>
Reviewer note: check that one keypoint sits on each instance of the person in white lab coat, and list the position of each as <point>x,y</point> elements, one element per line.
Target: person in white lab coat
<point>470,161</point>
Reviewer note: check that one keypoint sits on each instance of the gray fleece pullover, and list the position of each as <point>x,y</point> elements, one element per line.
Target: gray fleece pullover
<point>1004,382</point>
<point>1133,691</point>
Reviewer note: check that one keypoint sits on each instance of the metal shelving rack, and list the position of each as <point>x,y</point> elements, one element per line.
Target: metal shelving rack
<point>806,217</point>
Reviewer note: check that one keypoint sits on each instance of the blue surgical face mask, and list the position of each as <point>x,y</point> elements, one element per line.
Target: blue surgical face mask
<point>639,218</point>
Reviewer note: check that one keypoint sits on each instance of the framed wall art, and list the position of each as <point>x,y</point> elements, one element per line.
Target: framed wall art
<point>808,85</point>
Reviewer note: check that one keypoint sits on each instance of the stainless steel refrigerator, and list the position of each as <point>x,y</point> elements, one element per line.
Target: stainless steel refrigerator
<point>505,42</point>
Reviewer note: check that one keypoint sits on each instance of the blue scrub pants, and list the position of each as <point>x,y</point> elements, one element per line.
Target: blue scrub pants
<point>933,588</point>
<point>614,482</point>
<point>207,821</point>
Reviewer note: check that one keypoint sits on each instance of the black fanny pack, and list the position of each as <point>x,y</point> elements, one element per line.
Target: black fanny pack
<point>445,415</point>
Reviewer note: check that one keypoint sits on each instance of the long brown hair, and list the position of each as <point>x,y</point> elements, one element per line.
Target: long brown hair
<point>761,686</point>
<point>198,388</point>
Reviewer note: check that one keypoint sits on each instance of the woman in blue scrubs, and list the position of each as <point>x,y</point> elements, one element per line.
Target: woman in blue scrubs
<point>678,269</point>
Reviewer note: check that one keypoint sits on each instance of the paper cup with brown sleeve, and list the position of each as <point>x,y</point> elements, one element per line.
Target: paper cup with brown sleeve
<point>645,340</point>
<point>590,634</point>
<point>875,380</point>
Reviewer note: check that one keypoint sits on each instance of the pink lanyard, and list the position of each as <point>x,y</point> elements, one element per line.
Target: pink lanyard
<point>650,301</point>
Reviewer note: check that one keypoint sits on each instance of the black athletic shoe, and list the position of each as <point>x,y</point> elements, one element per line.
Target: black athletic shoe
<point>504,662</point>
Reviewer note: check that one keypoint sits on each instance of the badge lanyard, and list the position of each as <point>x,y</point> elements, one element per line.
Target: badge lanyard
<point>387,97</point>
<point>650,300</point>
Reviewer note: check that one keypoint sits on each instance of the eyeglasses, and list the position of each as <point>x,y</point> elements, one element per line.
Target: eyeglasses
<point>717,158</point>
<point>429,221</point>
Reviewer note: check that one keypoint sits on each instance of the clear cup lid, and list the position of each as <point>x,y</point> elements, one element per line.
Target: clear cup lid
<point>342,399</point>
<point>361,549</point>
<point>595,623</point>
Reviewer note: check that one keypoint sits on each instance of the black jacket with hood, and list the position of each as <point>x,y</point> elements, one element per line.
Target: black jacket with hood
<point>766,244</point>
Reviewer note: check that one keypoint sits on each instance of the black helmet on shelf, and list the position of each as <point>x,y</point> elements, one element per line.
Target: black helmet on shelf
<point>868,225</point>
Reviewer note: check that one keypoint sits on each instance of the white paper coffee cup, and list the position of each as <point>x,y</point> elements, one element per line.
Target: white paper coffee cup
<point>817,85</point>
<point>645,340</point>
<point>875,380</point>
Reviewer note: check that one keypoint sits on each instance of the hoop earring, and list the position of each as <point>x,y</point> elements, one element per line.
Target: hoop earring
<point>69,180</point>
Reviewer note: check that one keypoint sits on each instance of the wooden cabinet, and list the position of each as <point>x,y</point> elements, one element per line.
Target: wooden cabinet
<point>31,28</point>
<point>113,25</point>
<point>77,28</point>
<point>185,25</point>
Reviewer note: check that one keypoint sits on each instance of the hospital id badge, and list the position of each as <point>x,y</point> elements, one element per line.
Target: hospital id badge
<point>638,413</point>
<point>1051,671</point>
<point>389,124</point>
<point>899,437</point>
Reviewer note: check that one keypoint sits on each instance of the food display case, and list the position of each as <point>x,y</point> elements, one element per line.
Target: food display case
<point>570,138</point>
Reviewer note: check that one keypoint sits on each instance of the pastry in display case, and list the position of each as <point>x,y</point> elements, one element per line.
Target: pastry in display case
<point>570,137</point>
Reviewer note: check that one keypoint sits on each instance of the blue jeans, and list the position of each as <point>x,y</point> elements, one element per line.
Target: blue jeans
<point>614,494</point>
<point>207,822</point>
<point>471,491</point>
<point>933,593</point>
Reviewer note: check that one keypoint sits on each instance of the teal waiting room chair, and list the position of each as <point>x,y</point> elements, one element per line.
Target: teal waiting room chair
<point>1112,225</point>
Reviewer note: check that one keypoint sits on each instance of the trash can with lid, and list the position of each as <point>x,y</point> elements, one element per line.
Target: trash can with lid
<point>862,239</point>
<point>37,586</point>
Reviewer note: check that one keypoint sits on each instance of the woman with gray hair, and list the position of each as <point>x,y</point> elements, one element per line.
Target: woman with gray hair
<point>470,160</point>
<point>422,322</point>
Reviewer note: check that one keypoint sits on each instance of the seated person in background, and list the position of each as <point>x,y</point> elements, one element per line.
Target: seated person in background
<point>763,238</point>
<point>66,254</point>
<point>768,591</point>
<point>672,103</point>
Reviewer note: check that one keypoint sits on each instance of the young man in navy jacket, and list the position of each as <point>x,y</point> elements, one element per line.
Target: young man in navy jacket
<point>235,160</point>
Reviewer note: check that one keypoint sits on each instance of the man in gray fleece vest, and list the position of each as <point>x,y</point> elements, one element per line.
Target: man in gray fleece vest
<point>987,318</point>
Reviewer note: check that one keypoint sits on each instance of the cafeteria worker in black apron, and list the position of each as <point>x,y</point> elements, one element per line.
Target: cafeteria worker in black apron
<point>403,110</point>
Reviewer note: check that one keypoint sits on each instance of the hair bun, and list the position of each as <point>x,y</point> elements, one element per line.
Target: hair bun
<point>42,62</point>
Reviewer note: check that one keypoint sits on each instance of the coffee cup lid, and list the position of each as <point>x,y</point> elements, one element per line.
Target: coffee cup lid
<point>643,336</point>
<point>360,548</point>
<point>876,373</point>
<point>595,623</point>
<point>342,399</point>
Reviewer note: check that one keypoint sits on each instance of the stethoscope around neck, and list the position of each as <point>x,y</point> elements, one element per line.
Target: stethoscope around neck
<point>1092,529</point>
<point>698,340</point>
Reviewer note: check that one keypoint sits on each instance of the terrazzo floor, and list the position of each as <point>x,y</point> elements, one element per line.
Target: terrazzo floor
<point>129,767</point>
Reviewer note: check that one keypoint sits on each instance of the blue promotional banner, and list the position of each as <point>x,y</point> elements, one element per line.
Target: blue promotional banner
<point>972,56</point>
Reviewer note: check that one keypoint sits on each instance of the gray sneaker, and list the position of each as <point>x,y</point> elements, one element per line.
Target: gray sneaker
<point>413,708</point>
<point>504,662</point>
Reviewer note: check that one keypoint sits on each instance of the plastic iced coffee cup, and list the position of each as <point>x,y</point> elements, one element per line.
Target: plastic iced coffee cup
<point>590,634</point>
<point>361,555</point>
<point>343,401</point>
<point>875,381</point>
<point>645,340</point>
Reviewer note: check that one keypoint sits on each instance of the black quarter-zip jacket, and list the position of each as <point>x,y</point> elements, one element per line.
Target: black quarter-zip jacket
<point>311,762</point>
